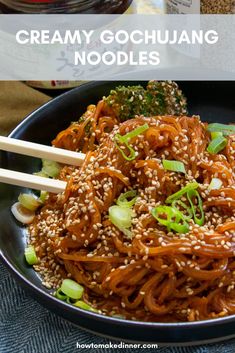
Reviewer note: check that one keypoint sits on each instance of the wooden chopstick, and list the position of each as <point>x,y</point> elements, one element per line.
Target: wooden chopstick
<point>31,181</point>
<point>41,151</point>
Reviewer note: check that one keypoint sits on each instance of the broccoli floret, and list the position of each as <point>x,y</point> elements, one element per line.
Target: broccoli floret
<point>159,98</point>
<point>167,97</point>
<point>126,102</point>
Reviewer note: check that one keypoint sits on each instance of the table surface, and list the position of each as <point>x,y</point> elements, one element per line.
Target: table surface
<point>27,327</point>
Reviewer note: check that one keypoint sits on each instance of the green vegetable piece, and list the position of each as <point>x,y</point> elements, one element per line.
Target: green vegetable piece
<point>41,174</point>
<point>133,154</point>
<point>216,134</point>
<point>123,199</point>
<point>50,168</point>
<point>223,128</point>
<point>180,193</point>
<point>217,145</point>
<point>30,255</point>
<point>82,305</point>
<point>121,217</point>
<point>126,101</point>
<point>180,204</point>
<point>43,196</point>
<point>215,184</point>
<point>191,194</point>
<point>72,289</point>
<point>70,301</point>
<point>174,166</point>
<point>124,139</point>
<point>60,295</point>
<point>29,201</point>
<point>159,98</point>
<point>165,98</point>
<point>171,218</point>
<point>134,133</point>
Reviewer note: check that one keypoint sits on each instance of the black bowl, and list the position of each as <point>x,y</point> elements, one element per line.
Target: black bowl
<point>214,101</point>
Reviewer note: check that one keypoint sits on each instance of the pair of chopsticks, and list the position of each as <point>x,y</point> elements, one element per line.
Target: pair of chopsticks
<point>39,151</point>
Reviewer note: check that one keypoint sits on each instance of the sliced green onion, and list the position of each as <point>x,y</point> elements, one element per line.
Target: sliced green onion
<point>180,228</point>
<point>217,145</point>
<point>70,301</point>
<point>82,305</point>
<point>183,205</point>
<point>60,295</point>
<point>180,193</point>
<point>216,134</point>
<point>43,196</point>
<point>22,214</point>
<point>215,184</point>
<point>124,139</point>
<point>225,129</point>
<point>127,232</point>
<point>134,133</point>
<point>174,166</point>
<point>41,174</point>
<point>30,255</point>
<point>123,199</point>
<point>167,211</point>
<point>29,201</point>
<point>121,217</point>
<point>132,155</point>
<point>72,289</point>
<point>194,194</point>
<point>173,219</point>
<point>51,168</point>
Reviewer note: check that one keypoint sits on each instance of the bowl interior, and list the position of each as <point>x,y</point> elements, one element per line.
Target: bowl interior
<point>214,101</point>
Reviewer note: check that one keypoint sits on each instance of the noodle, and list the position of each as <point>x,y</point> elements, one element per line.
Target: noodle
<point>155,275</point>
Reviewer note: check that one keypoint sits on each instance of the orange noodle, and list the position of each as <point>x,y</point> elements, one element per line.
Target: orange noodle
<point>155,274</point>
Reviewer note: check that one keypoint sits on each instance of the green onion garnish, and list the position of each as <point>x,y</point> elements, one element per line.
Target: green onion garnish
<point>216,134</point>
<point>29,201</point>
<point>171,218</point>
<point>215,184</point>
<point>121,217</point>
<point>225,129</point>
<point>50,168</point>
<point>174,166</point>
<point>167,211</point>
<point>217,145</point>
<point>191,194</point>
<point>22,214</point>
<point>134,133</point>
<point>173,212</point>
<point>180,193</point>
<point>43,196</point>
<point>82,305</point>
<point>71,289</point>
<point>180,204</point>
<point>132,155</point>
<point>30,255</point>
<point>123,199</point>
<point>60,295</point>
<point>124,140</point>
<point>41,174</point>
<point>70,300</point>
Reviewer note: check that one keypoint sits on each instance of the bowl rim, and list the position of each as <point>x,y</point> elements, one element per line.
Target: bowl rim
<point>65,306</point>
